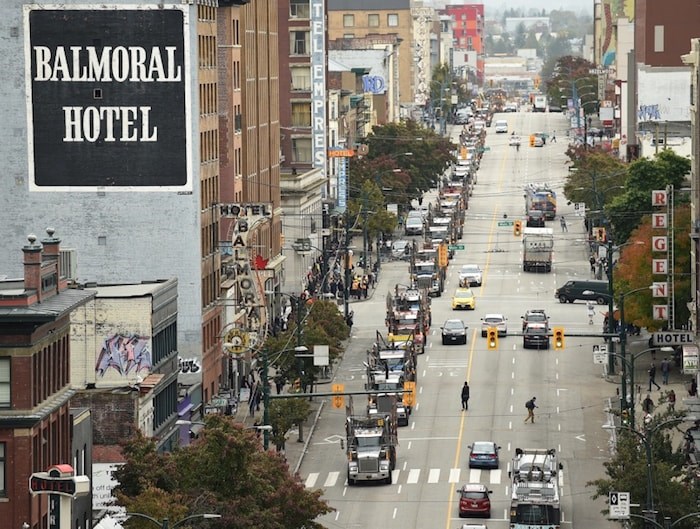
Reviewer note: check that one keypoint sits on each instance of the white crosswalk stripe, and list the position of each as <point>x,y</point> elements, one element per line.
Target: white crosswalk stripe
<point>311,480</point>
<point>415,476</point>
<point>331,479</point>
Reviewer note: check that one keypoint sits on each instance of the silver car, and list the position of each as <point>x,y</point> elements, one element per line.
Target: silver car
<point>470,275</point>
<point>494,320</point>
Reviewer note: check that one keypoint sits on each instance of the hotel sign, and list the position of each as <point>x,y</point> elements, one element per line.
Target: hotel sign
<point>108,97</point>
<point>318,83</point>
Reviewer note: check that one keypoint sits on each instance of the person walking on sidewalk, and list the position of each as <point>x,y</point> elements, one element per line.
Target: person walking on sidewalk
<point>465,396</point>
<point>665,370</point>
<point>652,376</point>
<point>672,400</point>
<point>554,136</point>
<point>564,228</point>
<point>530,406</point>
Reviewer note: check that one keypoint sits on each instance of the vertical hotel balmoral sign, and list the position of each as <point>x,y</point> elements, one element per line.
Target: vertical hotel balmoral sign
<point>108,90</point>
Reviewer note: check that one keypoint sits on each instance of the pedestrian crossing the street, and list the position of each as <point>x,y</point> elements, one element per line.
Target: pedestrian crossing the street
<point>415,476</point>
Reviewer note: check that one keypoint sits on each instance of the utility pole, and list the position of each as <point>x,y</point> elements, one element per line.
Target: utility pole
<point>346,283</point>
<point>611,308</point>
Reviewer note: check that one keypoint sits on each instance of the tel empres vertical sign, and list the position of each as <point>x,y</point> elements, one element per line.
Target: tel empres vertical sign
<point>108,91</point>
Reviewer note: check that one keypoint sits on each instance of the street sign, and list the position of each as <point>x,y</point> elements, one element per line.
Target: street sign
<point>456,247</point>
<point>600,354</point>
<point>619,503</point>
<point>672,338</point>
<point>505,222</point>
<point>483,149</point>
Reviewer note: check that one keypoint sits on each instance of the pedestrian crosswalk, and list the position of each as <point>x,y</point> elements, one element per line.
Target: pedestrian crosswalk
<point>414,476</point>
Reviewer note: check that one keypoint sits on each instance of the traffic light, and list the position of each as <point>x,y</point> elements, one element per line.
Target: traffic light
<point>600,235</point>
<point>442,255</point>
<point>532,140</point>
<point>558,333</point>
<point>338,400</point>
<point>517,228</point>
<point>492,338</point>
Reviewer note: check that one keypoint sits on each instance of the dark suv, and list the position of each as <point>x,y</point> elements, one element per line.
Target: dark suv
<point>535,316</point>
<point>535,219</point>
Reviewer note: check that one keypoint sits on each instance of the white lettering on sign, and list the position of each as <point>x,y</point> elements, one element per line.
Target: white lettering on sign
<point>659,243</point>
<point>659,198</point>
<point>660,312</point>
<point>659,266</point>
<point>123,124</point>
<point>659,289</point>
<point>134,64</point>
<point>318,82</point>
<point>659,221</point>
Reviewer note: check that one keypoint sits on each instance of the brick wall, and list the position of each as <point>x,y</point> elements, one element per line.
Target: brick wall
<point>113,413</point>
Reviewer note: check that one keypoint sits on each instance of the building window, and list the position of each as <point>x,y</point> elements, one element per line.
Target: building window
<point>3,487</point>
<point>5,384</point>
<point>392,20</point>
<point>299,9</point>
<point>301,42</point>
<point>301,114</point>
<point>301,150</point>
<point>348,35</point>
<point>373,21</point>
<point>348,21</point>
<point>301,78</point>
<point>659,39</point>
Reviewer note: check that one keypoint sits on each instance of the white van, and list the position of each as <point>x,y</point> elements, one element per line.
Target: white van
<point>501,126</point>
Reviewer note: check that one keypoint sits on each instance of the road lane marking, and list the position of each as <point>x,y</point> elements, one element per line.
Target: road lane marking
<point>395,475</point>
<point>434,475</point>
<point>331,479</point>
<point>474,475</point>
<point>495,476</point>
<point>311,480</point>
<point>454,475</point>
<point>413,476</point>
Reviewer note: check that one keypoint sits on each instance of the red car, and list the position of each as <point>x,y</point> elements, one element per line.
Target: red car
<point>474,500</point>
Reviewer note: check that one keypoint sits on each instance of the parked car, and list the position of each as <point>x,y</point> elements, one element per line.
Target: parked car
<point>454,331</point>
<point>483,454</point>
<point>535,316</point>
<point>494,320</point>
<point>474,500</point>
<point>463,299</point>
<point>470,275</point>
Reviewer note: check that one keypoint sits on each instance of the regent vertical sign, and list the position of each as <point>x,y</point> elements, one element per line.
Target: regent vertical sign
<point>108,97</point>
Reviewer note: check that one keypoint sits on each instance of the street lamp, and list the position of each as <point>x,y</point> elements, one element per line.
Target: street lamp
<point>646,439</point>
<point>165,523</point>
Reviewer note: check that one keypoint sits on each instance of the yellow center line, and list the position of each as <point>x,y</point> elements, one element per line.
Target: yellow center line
<point>462,422</point>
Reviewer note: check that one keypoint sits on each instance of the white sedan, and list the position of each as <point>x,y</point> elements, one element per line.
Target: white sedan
<point>514,140</point>
<point>470,275</point>
<point>494,320</point>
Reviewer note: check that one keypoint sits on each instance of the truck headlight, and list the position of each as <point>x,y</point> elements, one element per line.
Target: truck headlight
<point>384,466</point>
<point>352,466</point>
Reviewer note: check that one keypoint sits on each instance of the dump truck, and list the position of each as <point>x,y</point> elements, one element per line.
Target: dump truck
<point>538,245</point>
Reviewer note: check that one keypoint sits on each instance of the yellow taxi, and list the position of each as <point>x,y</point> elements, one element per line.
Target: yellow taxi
<point>463,299</point>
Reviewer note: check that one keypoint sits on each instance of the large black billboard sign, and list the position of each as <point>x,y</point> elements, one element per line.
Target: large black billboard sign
<point>108,98</point>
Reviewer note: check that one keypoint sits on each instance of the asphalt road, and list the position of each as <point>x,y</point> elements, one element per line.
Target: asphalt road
<point>571,394</point>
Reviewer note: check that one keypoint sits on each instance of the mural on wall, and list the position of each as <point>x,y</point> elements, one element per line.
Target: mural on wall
<point>124,353</point>
<point>611,11</point>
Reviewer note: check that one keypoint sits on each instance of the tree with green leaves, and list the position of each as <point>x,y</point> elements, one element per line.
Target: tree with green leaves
<point>673,495</point>
<point>430,155</point>
<point>644,176</point>
<point>225,472</point>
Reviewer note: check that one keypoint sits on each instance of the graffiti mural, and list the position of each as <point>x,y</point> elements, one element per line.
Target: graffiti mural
<point>125,354</point>
<point>611,11</point>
